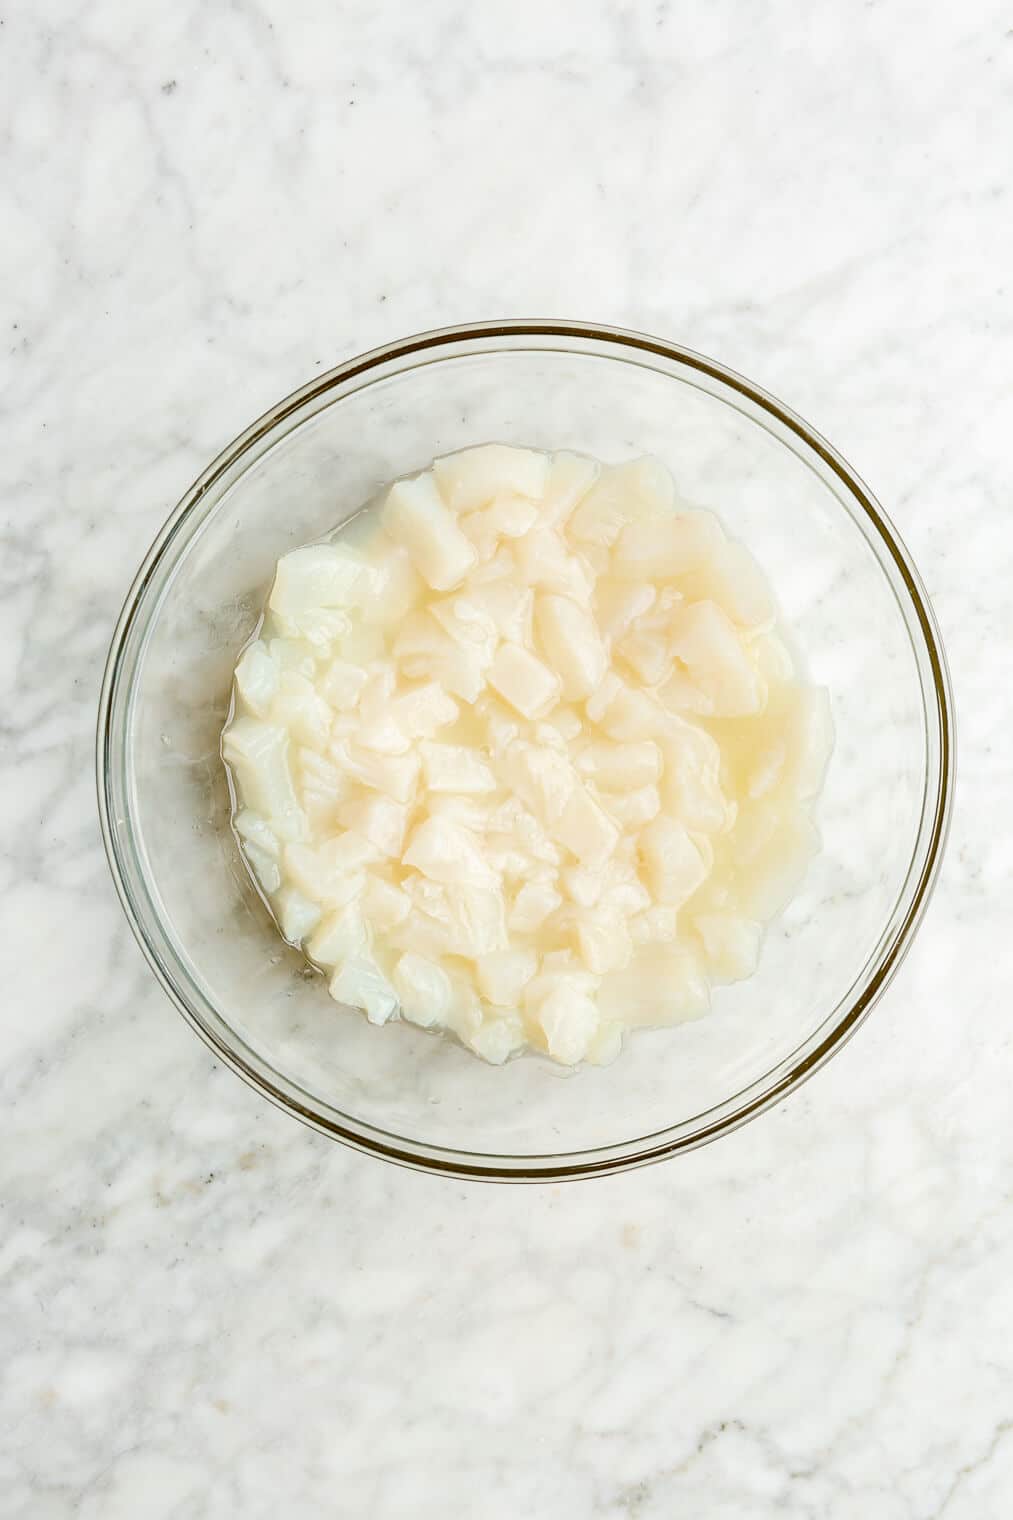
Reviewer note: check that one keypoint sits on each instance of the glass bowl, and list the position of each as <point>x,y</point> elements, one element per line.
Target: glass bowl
<point>849,594</point>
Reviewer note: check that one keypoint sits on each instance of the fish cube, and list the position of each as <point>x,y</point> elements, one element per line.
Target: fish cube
<point>394,774</point>
<point>473,477</point>
<point>341,684</point>
<point>255,830</point>
<point>571,644</point>
<point>663,548</point>
<point>378,819</point>
<point>424,710</point>
<point>447,852</point>
<point>631,810</point>
<point>586,830</point>
<point>641,488</point>
<point>496,1039</point>
<point>621,767</point>
<point>295,913</point>
<point>618,605</point>
<point>258,754</point>
<point>317,576</point>
<point>533,904</point>
<point>299,708</point>
<point>359,983</point>
<point>570,478</point>
<point>506,517</point>
<point>672,863</point>
<point>415,515</point>
<point>568,1018</point>
<point>691,786</point>
<point>423,988</point>
<point>265,867</point>
<point>706,642</point>
<point>331,873</point>
<point>545,561</point>
<point>425,651</point>
<point>455,768</point>
<point>503,975</point>
<point>342,933</point>
<point>655,925</point>
<point>384,904</point>
<point>257,677</point>
<point>522,680</point>
<point>731,944</point>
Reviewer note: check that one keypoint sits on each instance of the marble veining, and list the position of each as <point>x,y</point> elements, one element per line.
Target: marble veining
<point>207,1311</point>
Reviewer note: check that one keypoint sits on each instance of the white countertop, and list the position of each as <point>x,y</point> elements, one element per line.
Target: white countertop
<point>205,1309</point>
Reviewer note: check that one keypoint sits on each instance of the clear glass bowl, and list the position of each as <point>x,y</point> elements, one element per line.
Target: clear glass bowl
<point>849,594</point>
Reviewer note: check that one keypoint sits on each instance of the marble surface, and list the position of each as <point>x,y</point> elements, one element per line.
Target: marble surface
<point>206,1310</point>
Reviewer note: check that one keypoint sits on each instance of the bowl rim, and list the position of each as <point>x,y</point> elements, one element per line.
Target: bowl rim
<point>886,959</point>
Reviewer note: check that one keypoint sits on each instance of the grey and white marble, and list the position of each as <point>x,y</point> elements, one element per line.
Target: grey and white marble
<point>207,1311</point>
